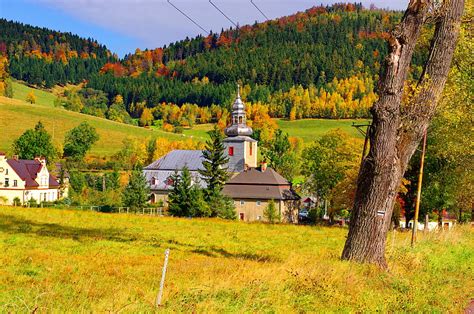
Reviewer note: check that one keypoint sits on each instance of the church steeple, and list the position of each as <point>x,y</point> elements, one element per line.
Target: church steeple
<point>238,126</point>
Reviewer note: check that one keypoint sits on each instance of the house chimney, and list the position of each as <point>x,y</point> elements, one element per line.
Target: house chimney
<point>263,166</point>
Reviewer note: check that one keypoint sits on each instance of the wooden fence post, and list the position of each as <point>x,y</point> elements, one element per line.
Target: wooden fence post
<point>162,282</point>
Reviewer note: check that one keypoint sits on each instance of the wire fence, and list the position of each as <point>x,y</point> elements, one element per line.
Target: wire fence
<point>149,211</point>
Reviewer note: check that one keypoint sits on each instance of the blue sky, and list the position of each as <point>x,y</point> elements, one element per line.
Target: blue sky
<point>123,25</point>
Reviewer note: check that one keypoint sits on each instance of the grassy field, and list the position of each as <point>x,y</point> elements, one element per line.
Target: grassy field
<point>16,116</point>
<point>20,91</point>
<point>308,129</point>
<point>78,261</point>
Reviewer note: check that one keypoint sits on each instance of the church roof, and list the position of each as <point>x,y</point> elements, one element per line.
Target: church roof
<point>257,184</point>
<point>177,160</point>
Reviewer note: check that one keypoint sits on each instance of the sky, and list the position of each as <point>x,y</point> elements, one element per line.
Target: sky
<point>124,25</point>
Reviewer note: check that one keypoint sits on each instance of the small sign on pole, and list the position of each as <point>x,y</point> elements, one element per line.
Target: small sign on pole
<point>162,283</point>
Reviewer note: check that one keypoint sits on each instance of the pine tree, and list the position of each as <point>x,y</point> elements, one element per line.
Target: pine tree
<point>186,199</point>
<point>270,213</point>
<point>137,191</point>
<point>214,172</point>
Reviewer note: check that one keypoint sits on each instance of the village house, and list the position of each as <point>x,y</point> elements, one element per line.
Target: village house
<point>25,180</point>
<point>250,187</point>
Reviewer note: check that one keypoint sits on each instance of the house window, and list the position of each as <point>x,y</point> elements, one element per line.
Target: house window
<point>259,217</point>
<point>231,151</point>
<point>15,183</point>
<point>259,203</point>
<point>242,202</point>
<point>6,171</point>
<point>241,216</point>
<point>7,182</point>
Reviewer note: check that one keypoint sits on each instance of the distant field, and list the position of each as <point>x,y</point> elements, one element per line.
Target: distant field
<point>307,129</point>
<point>20,91</point>
<point>80,261</point>
<point>17,116</point>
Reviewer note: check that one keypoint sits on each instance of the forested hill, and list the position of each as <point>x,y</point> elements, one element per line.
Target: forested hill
<point>44,57</point>
<point>337,49</point>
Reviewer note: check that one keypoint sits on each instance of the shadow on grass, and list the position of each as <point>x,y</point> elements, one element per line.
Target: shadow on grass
<point>220,252</point>
<point>15,225</point>
<point>12,224</point>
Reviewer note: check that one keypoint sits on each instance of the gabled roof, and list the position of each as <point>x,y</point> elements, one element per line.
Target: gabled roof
<point>177,160</point>
<point>28,171</point>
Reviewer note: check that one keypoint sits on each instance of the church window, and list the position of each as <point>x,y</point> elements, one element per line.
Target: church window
<point>6,171</point>
<point>231,151</point>
<point>154,181</point>
<point>15,183</point>
<point>240,119</point>
<point>7,182</point>
<point>250,149</point>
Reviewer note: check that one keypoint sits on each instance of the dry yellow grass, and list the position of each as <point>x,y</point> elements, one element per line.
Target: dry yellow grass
<point>78,261</point>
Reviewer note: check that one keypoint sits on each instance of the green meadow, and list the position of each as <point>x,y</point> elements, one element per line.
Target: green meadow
<point>80,261</point>
<point>16,116</point>
<point>307,129</point>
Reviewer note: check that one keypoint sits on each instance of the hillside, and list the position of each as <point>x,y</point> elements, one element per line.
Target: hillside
<point>92,262</point>
<point>307,129</point>
<point>17,116</point>
<point>315,50</point>
<point>45,57</point>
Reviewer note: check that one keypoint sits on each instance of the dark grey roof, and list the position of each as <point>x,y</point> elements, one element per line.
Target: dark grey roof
<point>259,192</point>
<point>177,160</point>
<point>257,176</point>
<point>257,184</point>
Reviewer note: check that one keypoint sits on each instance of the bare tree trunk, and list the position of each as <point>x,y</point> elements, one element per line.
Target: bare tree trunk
<point>397,129</point>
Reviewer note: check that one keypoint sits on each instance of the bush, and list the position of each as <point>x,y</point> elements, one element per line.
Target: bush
<point>17,201</point>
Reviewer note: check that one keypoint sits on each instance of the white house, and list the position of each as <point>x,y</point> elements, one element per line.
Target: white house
<point>26,180</point>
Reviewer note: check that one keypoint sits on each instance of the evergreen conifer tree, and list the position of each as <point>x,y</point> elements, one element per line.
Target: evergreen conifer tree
<point>137,191</point>
<point>186,199</point>
<point>214,172</point>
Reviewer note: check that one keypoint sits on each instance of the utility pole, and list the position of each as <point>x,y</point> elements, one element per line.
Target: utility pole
<point>418,193</point>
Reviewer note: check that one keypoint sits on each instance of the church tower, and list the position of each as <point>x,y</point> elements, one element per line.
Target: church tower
<point>240,147</point>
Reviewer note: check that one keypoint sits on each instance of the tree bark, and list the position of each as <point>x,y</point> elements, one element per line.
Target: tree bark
<point>398,128</point>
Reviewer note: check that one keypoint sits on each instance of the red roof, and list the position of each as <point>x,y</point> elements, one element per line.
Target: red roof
<point>28,170</point>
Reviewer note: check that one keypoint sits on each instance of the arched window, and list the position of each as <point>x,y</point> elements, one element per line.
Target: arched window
<point>240,119</point>
<point>153,199</point>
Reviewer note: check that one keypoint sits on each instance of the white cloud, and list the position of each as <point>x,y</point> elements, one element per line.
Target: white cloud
<point>156,22</point>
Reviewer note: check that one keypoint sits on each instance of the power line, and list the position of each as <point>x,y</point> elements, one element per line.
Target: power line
<point>259,9</point>
<point>215,6</point>
<point>189,18</point>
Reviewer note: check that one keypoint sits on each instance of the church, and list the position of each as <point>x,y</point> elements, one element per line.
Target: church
<point>250,186</point>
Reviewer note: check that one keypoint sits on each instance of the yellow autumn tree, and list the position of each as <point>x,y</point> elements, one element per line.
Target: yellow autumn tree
<point>31,97</point>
